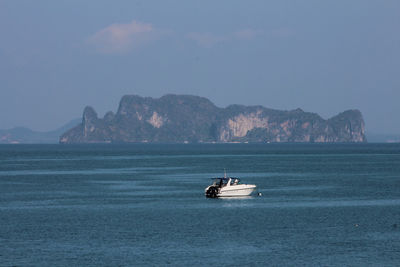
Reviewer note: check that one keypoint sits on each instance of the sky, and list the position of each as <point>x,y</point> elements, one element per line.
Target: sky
<point>56,57</point>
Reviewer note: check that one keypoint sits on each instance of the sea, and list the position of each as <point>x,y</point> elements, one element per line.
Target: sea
<point>144,205</point>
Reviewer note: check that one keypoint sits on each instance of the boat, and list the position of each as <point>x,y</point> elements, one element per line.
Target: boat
<point>228,187</point>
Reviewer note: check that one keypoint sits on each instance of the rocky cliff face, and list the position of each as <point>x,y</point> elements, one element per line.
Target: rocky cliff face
<point>183,118</point>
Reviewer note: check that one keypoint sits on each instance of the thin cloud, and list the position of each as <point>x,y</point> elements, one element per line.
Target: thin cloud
<point>282,32</point>
<point>120,37</point>
<point>205,39</point>
<point>208,39</point>
<point>247,34</point>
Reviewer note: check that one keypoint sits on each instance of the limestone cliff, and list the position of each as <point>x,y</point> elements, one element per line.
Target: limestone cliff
<point>185,119</point>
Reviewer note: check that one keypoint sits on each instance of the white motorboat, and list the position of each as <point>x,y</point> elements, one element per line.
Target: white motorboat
<point>228,187</point>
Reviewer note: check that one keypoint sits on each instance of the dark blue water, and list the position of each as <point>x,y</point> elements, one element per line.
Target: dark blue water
<point>129,205</point>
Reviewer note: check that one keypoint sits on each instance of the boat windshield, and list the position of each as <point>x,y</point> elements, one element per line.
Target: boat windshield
<point>224,181</point>
<point>235,181</point>
<point>220,181</point>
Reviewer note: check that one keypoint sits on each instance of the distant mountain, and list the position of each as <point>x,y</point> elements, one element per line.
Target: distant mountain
<point>188,119</point>
<point>22,135</point>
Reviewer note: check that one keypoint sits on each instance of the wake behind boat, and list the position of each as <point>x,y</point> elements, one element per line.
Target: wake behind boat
<point>228,187</point>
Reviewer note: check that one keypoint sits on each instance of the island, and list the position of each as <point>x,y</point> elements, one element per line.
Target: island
<point>193,119</point>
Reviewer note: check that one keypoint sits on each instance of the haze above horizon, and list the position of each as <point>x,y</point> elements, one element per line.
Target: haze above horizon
<point>56,57</point>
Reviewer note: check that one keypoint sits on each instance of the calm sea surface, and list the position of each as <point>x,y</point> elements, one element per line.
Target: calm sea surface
<point>130,205</point>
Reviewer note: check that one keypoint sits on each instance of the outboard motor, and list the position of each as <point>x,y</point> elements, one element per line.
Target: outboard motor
<point>212,192</point>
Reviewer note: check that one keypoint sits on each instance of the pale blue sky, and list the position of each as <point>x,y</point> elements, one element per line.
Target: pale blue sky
<point>56,57</point>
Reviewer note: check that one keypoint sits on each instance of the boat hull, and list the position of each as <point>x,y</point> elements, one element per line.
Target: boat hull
<point>237,192</point>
